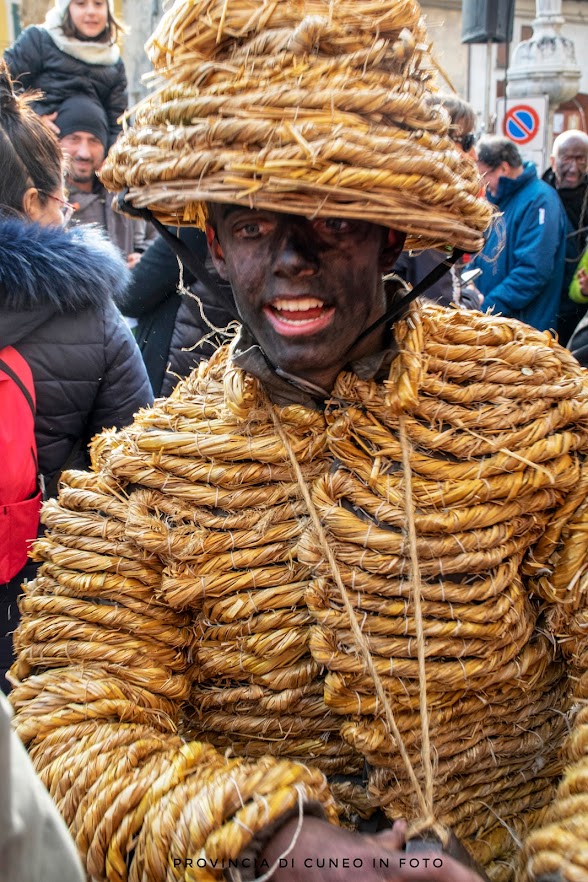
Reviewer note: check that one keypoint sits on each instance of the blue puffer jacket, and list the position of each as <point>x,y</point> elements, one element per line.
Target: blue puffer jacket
<point>523,260</point>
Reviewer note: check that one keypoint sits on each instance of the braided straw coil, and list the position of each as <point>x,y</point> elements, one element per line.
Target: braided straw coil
<point>313,107</point>
<point>185,598</point>
<point>560,846</point>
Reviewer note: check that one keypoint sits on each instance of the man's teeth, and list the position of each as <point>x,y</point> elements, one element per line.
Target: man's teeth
<point>302,305</point>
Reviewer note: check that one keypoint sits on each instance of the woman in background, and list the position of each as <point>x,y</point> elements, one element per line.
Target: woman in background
<point>57,314</point>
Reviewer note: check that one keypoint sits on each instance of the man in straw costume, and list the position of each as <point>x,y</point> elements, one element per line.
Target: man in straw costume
<point>338,578</point>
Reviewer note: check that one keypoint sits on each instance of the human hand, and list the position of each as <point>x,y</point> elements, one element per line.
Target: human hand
<point>133,259</point>
<point>324,853</point>
<point>48,121</point>
<point>471,297</point>
<point>582,277</point>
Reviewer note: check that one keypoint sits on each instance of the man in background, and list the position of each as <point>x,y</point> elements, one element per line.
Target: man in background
<point>523,258</point>
<point>568,175</point>
<point>83,137</point>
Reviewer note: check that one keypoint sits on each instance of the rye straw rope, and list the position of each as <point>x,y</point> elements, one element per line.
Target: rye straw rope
<point>558,849</point>
<point>313,107</point>
<point>420,633</point>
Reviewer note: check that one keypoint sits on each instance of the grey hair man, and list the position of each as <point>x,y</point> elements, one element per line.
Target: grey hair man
<point>568,175</point>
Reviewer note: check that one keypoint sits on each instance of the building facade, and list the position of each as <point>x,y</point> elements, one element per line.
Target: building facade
<point>9,22</point>
<point>467,66</point>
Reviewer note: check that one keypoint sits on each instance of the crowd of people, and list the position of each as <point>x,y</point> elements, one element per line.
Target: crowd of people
<point>233,562</point>
<point>69,263</point>
<point>58,312</point>
<point>532,266</point>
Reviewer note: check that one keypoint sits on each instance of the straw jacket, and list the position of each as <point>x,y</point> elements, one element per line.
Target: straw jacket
<point>190,552</point>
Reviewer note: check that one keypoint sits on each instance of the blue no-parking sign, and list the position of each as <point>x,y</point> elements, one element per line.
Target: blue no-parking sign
<point>524,122</point>
<point>521,123</point>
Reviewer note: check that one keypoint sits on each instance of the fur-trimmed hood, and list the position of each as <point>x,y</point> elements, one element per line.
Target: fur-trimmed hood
<point>47,270</point>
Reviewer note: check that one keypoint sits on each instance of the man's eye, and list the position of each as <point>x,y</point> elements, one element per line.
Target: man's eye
<point>248,230</point>
<point>252,228</point>
<point>333,225</point>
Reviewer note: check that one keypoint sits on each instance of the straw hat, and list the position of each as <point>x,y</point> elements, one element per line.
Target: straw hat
<point>315,107</point>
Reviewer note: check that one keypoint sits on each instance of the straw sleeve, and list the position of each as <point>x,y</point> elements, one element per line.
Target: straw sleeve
<point>110,670</point>
<point>560,844</point>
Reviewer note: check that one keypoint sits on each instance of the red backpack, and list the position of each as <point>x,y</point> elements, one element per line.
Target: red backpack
<point>20,497</point>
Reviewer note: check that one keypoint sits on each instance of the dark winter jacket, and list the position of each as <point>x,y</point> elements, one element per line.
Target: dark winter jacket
<point>56,309</point>
<point>575,205</point>
<point>578,343</point>
<point>172,333</point>
<point>524,256</point>
<point>36,62</point>
<point>413,268</point>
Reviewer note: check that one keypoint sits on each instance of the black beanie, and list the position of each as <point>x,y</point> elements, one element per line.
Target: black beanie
<point>80,113</point>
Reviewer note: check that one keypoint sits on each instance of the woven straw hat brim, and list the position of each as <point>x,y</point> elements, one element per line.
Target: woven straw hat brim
<point>313,108</point>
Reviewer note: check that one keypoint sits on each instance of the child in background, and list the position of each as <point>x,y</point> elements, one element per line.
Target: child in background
<point>74,51</point>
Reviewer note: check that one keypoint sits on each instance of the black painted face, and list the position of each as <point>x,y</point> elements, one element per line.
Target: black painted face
<point>571,163</point>
<point>305,288</point>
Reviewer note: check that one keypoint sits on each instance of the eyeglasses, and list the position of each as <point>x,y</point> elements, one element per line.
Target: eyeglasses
<point>466,141</point>
<point>66,208</point>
